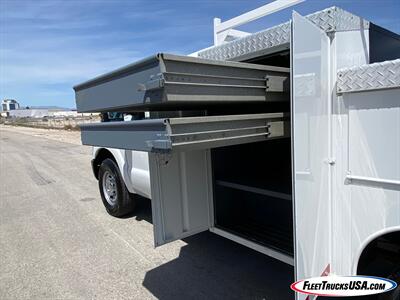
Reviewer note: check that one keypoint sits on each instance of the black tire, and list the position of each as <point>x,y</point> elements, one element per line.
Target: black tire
<point>116,198</point>
<point>395,294</point>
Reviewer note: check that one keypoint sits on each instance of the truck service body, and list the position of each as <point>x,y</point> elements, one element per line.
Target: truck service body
<point>286,141</point>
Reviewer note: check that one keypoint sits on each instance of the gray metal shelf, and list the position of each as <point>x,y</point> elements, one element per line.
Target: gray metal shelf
<point>171,82</point>
<point>163,135</point>
<point>256,190</point>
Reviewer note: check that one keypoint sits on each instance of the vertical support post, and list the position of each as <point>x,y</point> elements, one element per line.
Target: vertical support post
<point>217,21</point>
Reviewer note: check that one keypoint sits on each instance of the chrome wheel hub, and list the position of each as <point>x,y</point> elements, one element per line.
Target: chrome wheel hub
<point>110,187</point>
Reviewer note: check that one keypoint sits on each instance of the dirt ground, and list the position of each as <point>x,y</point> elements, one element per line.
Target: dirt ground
<point>66,136</point>
<point>58,242</point>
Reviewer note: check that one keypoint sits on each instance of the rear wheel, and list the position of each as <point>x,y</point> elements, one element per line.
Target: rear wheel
<point>381,258</point>
<point>395,294</point>
<point>116,198</point>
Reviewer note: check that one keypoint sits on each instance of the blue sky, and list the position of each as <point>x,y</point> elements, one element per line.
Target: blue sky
<point>46,47</point>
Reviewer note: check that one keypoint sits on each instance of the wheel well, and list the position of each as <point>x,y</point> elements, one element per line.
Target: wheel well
<point>102,154</point>
<point>381,257</point>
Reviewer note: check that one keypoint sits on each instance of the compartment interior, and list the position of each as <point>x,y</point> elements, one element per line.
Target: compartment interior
<point>252,186</point>
<point>252,192</point>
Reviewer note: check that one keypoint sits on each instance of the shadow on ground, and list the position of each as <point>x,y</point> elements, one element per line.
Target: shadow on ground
<point>212,267</point>
<point>142,211</point>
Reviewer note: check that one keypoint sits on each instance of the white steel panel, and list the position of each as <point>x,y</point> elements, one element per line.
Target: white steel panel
<point>374,133</point>
<point>349,49</point>
<point>373,165</point>
<point>352,48</point>
<point>311,141</point>
<point>180,190</point>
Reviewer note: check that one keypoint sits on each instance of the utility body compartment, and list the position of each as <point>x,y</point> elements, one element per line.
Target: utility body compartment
<point>253,192</point>
<point>206,171</point>
<point>229,173</point>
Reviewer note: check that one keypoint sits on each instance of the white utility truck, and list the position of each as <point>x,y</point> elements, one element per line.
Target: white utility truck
<point>286,141</point>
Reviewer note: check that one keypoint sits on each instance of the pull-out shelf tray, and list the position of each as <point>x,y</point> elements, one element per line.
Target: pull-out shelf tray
<point>171,82</point>
<point>164,135</point>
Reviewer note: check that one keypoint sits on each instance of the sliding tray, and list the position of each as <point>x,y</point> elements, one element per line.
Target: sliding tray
<point>182,134</point>
<point>170,82</point>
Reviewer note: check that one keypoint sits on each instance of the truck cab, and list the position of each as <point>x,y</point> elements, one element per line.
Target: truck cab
<point>127,171</point>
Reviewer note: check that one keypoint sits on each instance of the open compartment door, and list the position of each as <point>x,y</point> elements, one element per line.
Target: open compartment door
<point>181,194</point>
<point>311,143</point>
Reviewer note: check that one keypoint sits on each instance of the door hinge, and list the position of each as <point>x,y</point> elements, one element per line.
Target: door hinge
<point>266,83</point>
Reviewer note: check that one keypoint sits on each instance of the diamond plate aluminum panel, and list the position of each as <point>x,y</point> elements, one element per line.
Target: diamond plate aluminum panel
<point>383,75</point>
<point>336,19</point>
<point>269,38</point>
<point>329,20</point>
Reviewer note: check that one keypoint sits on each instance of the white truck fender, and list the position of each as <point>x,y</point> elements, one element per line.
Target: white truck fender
<point>120,157</point>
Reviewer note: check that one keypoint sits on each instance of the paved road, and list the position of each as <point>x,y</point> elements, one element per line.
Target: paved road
<point>57,242</point>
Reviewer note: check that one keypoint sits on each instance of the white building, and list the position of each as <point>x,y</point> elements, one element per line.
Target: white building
<point>9,104</point>
<point>28,113</point>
